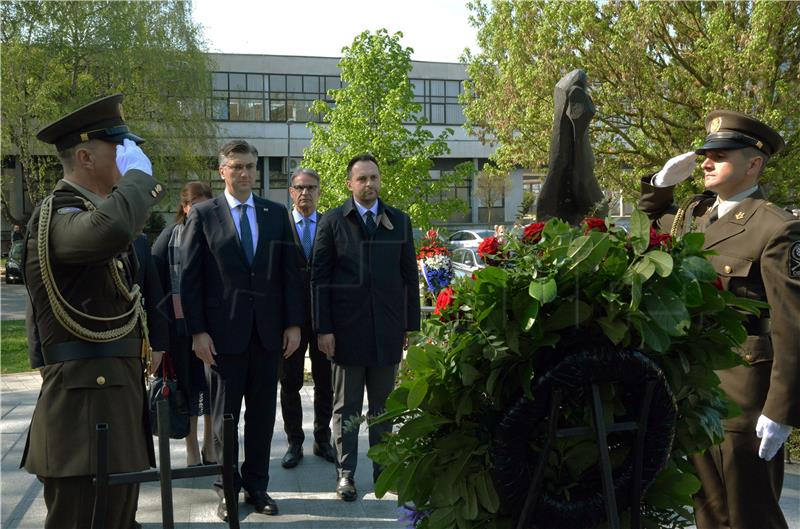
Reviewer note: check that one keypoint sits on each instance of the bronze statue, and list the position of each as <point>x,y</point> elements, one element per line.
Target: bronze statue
<point>570,190</point>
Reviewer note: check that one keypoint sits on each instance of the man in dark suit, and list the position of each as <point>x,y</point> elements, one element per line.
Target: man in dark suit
<point>365,299</point>
<point>241,304</point>
<point>305,190</point>
<point>756,252</point>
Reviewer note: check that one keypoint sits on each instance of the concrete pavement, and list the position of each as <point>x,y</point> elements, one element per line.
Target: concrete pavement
<point>305,494</point>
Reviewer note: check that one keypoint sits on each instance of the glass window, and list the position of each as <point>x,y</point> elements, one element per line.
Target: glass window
<point>418,87</point>
<point>453,88</point>
<point>255,83</point>
<point>219,109</point>
<point>455,114</point>
<point>237,81</point>
<point>294,83</point>
<point>277,110</point>
<point>219,81</point>
<point>437,113</point>
<point>437,88</point>
<point>468,260</point>
<point>311,84</point>
<point>277,83</point>
<point>332,82</point>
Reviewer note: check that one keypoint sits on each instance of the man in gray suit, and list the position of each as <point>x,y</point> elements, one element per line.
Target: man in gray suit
<point>365,298</point>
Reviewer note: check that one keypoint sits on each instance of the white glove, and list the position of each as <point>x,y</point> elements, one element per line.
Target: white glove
<point>772,435</point>
<point>676,170</point>
<point>130,156</point>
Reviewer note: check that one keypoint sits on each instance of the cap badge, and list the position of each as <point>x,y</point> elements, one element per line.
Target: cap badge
<point>715,124</point>
<point>739,215</point>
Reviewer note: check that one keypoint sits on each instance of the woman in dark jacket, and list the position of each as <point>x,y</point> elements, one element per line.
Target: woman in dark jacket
<point>189,369</point>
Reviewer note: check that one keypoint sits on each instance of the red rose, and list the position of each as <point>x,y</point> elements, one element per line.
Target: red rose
<point>432,234</point>
<point>444,300</point>
<point>533,232</point>
<point>718,283</point>
<point>658,240</point>
<point>488,247</point>
<point>593,223</point>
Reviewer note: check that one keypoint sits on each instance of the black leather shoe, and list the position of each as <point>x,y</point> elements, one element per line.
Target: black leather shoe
<point>293,456</point>
<point>261,502</point>
<point>346,489</point>
<point>222,510</point>
<point>325,451</point>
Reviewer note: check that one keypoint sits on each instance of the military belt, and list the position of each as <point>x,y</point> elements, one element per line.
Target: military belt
<point>66,351</point>
<point>757,327</point>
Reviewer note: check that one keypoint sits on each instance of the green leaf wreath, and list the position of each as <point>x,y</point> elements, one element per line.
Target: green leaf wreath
<point>551,287</point>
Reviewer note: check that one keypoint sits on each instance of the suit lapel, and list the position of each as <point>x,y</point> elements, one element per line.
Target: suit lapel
<point>297,244</point>
<point>225,218</point>
<point>734,221</point>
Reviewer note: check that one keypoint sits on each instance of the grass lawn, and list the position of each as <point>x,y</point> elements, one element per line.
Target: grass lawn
<point>13,347</point>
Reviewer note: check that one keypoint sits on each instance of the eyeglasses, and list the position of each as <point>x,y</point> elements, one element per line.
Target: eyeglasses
<point>238,168</point>
<point>310,188</point>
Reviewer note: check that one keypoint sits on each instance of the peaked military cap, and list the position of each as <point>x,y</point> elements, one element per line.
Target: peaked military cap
<point>732,130</point>
<point>99,120</point>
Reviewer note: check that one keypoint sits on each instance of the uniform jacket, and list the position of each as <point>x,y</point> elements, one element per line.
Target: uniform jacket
<point>753,244</point>
<point>365,290</point>
<point>222,294</point>
<point>78,394</point>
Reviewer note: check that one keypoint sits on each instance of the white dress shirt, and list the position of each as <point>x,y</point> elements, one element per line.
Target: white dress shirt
<point>725,206</point>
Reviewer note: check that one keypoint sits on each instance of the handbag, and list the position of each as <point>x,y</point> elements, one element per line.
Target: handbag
<point>165,387</point>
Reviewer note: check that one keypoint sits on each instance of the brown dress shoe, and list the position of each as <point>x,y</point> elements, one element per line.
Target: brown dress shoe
<point>346,489</point>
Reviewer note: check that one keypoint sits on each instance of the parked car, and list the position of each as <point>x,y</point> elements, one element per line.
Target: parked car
<point>467,238</point>
<point>14,263</point>
<point>466,261</point>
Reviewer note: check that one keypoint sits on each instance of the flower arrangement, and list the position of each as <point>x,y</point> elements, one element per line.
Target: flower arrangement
<point>550,289</point>
<point>434,263</point>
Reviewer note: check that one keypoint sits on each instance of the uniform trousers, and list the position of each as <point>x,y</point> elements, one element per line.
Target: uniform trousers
<point>292,382</point>
<point>739,489</point>
<point>348,402</point>
<point>252,376</point>
<point>70,502</point>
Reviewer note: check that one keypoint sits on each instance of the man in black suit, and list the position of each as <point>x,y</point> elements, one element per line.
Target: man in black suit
<point>305,190</point>
<point>365,295</point>
<point>241,304</point>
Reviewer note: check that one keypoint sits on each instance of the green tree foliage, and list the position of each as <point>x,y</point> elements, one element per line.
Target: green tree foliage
<point>491,185</point>
<point>375,112</point>
<point>57,56</point>
<point>656,69</point>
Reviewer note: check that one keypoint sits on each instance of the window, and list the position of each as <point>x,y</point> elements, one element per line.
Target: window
<point>439,100</point>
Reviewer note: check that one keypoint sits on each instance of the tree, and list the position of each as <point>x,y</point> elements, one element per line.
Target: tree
<point>491,185</point>
<point>656,68</point>
<point>375,112</point>
<point>57,56</point>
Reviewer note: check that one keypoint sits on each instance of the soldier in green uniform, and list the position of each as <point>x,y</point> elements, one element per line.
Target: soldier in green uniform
<point>757,256</point>
<point>88,316</point>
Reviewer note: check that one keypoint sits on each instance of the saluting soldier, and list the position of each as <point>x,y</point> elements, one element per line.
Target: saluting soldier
<point>757,256</point>
<point>87,313</point>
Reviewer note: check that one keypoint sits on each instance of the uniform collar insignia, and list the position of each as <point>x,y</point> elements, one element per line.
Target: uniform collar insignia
<point>739,215</point>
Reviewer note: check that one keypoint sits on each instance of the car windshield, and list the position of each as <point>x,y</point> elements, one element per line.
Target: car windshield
<point>484,233</point>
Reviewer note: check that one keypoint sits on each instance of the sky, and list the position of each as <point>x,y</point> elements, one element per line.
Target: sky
<point>437,30</point>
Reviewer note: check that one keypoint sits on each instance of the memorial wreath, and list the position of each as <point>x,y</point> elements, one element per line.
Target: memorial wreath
<point>554,292</point>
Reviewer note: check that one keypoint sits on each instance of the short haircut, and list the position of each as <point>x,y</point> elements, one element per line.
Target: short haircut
<point>235,147</point>
<point>364,157</point>
<point>304,170</point>
<point>191,192</point>
<point>67,156</point>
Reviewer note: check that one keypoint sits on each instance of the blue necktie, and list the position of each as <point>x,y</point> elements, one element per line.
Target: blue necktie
<point>305,239</point>
<point>370,223</point>
<point>245,234</point>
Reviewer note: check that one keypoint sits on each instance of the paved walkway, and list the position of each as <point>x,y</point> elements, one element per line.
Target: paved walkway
<point>304,494</point>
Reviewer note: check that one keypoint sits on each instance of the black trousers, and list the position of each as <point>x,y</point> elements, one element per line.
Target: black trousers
<point>70,502</point>
<point>292,382</point>
<point>252,376</point>
<point>348,387</point>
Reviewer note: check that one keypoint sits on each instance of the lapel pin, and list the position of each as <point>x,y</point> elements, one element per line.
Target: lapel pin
<point>739,215</point>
